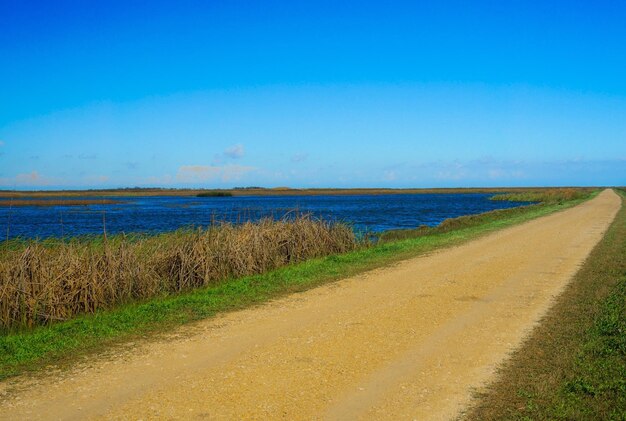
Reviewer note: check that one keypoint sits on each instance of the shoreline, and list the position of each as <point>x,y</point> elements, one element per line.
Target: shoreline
<point>280,191</point>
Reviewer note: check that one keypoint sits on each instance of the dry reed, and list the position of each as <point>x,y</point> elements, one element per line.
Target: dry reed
<point>41,283</point>
<point>545,195</point>
<point>62,202</point>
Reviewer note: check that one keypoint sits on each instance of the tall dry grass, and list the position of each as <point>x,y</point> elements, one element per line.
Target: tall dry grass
<point>54,202</point>
<point>41,283</point>
<point>545,195</point>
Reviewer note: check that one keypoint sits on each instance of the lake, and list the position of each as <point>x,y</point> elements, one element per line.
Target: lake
<point>374,213</point>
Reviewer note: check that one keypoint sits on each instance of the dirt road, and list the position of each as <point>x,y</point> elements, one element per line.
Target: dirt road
<point>404,342</point>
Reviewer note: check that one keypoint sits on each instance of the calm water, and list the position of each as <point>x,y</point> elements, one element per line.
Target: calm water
<point>157,214</point>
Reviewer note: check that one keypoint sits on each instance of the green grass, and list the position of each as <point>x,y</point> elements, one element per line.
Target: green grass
<point>65,341</point>
<point>573,366</point>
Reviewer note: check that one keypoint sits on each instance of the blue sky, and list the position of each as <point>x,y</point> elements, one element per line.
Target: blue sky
<point>311,94</point>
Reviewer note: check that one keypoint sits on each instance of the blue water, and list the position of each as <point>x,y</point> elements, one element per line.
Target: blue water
<point>372,213</point>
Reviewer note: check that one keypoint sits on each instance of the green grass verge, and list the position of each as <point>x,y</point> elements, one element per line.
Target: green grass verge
<point>65,341</point>
<point>573,366</point>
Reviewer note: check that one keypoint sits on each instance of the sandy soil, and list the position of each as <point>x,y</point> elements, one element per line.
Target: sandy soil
<point>410,341</point>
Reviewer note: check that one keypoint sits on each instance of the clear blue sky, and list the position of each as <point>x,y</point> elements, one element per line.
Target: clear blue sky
<point>311,94</point>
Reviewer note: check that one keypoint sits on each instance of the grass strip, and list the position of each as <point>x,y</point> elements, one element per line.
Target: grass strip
<point>573,365</point>
<point>65,341</point>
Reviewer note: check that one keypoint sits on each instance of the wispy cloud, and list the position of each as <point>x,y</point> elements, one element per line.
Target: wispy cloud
<point>235,152</point>
<point>494,172</point>
<point>87,156</point>
<point>190,174</point>
<point>164,180</point>
<point>390,175</point>
<point>31,179</point>
<point>197,173</point>
<point>218,159</point>
<point>299,157</point>
<point>96,179</point>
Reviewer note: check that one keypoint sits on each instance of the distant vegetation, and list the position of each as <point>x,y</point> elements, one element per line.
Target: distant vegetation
<point>42,282</point>
<point>544,196</point>
<point>258,191</point>
<point>56,202</point>
<point>215,194</point>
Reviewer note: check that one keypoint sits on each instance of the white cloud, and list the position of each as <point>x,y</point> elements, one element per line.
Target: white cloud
<point>96,179</point>
<point>35,179</point>
<point>197,173</point>
<point>390,176</point>
<point>234,172</point>
<point>156,180</point>
<point>235,152</point>
<point>31,179</point>
<point>204,173</point>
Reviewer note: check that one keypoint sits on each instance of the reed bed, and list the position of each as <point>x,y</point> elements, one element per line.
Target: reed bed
<point>42,282</point>
<point>56,202</point>
<point>545,195</point>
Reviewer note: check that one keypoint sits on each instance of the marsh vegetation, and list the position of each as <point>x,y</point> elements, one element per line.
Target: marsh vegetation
<point>544,195</point>
<point>46,281</point>
<point>56,202</point>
